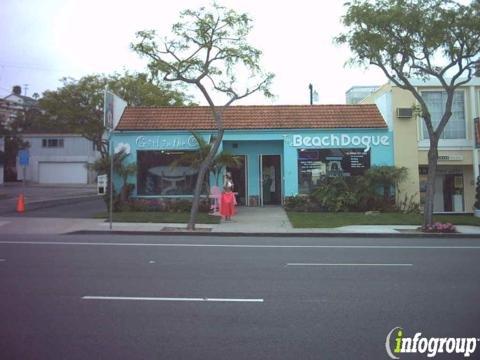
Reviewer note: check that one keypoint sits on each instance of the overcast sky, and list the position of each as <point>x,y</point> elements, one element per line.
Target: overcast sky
<point>44,40</point>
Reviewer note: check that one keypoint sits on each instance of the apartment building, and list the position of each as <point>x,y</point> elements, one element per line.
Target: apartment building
<point>458,156</point>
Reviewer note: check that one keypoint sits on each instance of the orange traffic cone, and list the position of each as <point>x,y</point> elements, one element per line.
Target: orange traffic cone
<point>21,204</point>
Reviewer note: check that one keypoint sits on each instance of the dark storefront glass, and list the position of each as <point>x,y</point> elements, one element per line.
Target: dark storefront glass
<point>157,176</point>
<point>314,164</point>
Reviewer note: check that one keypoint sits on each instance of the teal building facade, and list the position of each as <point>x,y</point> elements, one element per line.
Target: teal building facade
<point>274,162</point>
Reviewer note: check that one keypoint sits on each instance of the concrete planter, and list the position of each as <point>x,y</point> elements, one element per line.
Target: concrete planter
<point>476,212</point>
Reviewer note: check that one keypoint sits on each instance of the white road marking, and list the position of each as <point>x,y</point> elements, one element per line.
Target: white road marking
<point>168,299</point>
<point>240,245</point>
<point>313,264</point>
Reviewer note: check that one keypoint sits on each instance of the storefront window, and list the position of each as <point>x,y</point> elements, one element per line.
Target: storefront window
<point>313,164</point>
<point>157,176</point>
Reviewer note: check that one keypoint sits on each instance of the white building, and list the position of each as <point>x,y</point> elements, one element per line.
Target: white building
<point>54,158</point>
<point>458,160</point>
<point>58,159</point>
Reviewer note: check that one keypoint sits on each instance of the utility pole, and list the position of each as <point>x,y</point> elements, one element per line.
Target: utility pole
<point>313,94</point>
<point>25,86</point>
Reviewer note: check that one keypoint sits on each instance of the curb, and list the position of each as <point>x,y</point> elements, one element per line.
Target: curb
<point>281,235</point>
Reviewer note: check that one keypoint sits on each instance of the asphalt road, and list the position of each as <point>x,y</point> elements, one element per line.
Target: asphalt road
<point>76,209</point>
<point>231,298</point>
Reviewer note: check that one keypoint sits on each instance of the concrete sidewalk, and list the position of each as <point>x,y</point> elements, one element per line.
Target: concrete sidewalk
<point>269,221</point>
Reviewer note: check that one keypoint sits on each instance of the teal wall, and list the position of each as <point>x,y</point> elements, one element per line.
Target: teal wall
<point>153,140</point>
<point>253,143</point>
<point>253,150</point>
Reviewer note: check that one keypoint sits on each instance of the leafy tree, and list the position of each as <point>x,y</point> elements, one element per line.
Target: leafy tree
<point>209,50</point>
<point>14,121</point>
<point>78,105</point>
<point>437,39</point>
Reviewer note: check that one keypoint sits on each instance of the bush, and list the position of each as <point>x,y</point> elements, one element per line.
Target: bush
<point>371,192</point>
<point>302,203</point>
<point>163,205</point>
<point>334,194</point>
<point>408,205</point>
<point>439,228</point>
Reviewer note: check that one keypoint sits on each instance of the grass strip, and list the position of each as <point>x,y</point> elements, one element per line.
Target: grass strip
<point>332,220</point>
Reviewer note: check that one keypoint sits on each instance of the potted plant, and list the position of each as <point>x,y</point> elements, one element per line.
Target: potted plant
<point>477,198</point>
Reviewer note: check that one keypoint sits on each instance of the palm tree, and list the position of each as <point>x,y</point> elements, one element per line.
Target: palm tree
<point>102,166</point>
<point>195,158</point>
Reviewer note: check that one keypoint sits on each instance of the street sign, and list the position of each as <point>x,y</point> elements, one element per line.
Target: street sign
<point>102,184</point>
<point>23,157</point>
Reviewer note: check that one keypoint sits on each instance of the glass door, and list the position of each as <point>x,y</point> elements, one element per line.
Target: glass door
<point>270,180</point>
<point>239,178</point>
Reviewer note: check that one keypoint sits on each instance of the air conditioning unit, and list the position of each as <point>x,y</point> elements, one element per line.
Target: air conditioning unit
<point>404,113</point>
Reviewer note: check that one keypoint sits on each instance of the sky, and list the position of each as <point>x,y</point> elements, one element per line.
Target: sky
<point>42,41</point>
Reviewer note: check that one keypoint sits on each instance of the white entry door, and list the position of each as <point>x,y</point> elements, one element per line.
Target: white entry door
<point>62,173</point>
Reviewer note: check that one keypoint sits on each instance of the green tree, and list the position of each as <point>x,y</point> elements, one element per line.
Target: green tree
<point>14,122</point>
<point>437,39</point>
<point>78,105</point>
<point>209,50</point>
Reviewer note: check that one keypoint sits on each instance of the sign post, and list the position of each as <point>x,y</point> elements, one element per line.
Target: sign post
<point>108,124</point>
<point>113,107</point>
<point>112,154</point>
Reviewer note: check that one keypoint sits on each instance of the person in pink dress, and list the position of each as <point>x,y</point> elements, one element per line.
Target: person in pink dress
<point>227,203</point>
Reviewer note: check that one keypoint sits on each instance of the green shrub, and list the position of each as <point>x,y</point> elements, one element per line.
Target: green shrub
<point>163,205</point>
<point>373,191</point>
<point>334,194</point>
<point>303,203</point>
<point>407,205</point>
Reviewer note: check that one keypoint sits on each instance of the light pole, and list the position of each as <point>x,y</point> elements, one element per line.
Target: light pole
<point>313,94</point>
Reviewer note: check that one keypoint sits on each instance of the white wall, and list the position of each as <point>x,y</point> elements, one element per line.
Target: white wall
<point>75,149</point>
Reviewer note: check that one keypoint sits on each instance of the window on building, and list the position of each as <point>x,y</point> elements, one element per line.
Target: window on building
<point>157,176</point>
<point>314,164</point>
<point>436,100</point>
<point>52,143</point>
